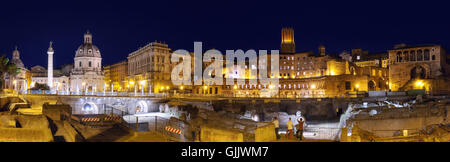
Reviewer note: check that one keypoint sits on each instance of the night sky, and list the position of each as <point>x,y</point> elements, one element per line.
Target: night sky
<point>120,27</point>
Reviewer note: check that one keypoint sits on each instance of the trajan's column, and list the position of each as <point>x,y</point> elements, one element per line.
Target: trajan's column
<point>50,66</point>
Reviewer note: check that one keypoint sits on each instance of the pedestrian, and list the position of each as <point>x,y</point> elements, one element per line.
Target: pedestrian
<point>277,126</point>
<point>290,129</point>
<point>301,122</point>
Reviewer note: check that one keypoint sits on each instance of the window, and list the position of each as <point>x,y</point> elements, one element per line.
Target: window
<point>399,57</point>
<point>426,55</point>
<point>412,56</point>
<point>433,57</point>
<point>419,55</point>
<point>90,64</point>
<point>405,56</point>
<point>80,64</point>
<point>348,86</point>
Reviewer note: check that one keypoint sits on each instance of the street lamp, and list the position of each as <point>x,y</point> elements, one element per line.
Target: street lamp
<point>82,86</point>
<point>205,90</point>
<point>357,88</point>
<point>420,84</point>
<point>142,82</point>
<point>15,84</point>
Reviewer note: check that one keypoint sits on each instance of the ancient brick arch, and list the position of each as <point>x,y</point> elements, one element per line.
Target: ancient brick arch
<point>420,72</point>
<point>141,107</point>
<point>89,108</point>
<point>372,85</point>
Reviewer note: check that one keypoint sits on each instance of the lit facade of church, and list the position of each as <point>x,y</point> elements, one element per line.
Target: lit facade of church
<point>87,73</point>
<point>85,76</point>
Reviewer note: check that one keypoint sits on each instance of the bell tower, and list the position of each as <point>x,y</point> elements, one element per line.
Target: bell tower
<point>287,41</point>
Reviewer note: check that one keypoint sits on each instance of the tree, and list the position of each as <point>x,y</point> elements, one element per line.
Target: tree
<point>38,86</point>
<point>7,67</point>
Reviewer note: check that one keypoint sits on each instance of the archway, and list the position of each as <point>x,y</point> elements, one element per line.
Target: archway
<point>141,107</point>
<point>372,86</point>
<point>89,108</point>
<point>418,72</point>
<point>352,70</point>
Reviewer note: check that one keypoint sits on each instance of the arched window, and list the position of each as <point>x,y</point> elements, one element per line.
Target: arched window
<point>405,56</point>
<point>90,64</point>
<point>80,64</point>
<point>426,55</point>
<point>412,56</point>
<point>399,58</point>
<point>419,55</point>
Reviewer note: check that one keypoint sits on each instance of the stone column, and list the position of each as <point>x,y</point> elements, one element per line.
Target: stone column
<point>50,53</point>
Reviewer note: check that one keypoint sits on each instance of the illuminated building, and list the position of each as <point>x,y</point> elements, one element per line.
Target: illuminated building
<point>305,75</point>
<point>152,64</point>
<point>22,80</point>
<point>287,40</point>
<point>116,75</point>
<point>87,75</point>
<point>424,63</point>
<point>364,58</point>
<point>61,77</point>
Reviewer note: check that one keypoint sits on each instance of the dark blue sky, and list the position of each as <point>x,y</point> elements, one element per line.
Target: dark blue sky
<point>120,27</point>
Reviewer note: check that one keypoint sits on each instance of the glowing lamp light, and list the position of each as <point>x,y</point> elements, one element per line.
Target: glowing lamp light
<point>142,82</point>
<point>205,87</point>
<point>162,88</point>
<point>313,86</point>
<point>419,83</point>
<point>181,87</point>
<point>168,88</point>
<point>332,72</point>
<point>357,85</point>
<point>235,87</point>
<point>131,82</point>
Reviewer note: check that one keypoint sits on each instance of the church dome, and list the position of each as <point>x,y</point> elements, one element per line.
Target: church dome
<point>16,59</point>
<point>87,49</point>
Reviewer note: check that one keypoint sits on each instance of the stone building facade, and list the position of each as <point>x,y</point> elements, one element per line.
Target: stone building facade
<point>408,65</point>
<point>307,75</point>
<point>22,80</point>
<point>116,76</point>
<point>150,68</point>
<point>87,75</point>
<point>61,77</point>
